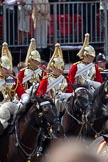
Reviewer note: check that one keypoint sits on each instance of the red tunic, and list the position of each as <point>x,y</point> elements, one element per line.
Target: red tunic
<point>43,87</point>
<point>21,75</point>
<point>19,90</point>
<point>73,70</point>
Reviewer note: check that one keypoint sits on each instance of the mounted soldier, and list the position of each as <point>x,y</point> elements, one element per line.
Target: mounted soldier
<point>10,87</point>
<point>32,73</point>
<point>85,72</point>
<point>54,83</point>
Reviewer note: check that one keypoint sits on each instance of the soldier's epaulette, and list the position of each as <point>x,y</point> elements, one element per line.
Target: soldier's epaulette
<point>24,68</point>
<point>78,62</point>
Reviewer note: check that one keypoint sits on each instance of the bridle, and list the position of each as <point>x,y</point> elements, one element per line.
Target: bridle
<point>50,125</point>
<point>49,135</point>
<point>83,121</point>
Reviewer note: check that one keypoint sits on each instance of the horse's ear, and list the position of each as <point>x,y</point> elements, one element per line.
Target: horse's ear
<point>33,99</point>
<point>74,86</point>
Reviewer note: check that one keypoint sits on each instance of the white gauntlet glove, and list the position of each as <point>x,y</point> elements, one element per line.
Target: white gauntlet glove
<point>24,98</point>
<point>95,84</point>
<point>19,104</point>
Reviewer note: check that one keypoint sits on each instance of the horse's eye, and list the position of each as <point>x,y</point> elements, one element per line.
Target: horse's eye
<point>45,108</point>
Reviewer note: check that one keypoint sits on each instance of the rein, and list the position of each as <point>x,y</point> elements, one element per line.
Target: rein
<point>81,122</point>
<point>78,121</point>
<point>22,146</point>
<point>97,134</point>
<point>30,125</point>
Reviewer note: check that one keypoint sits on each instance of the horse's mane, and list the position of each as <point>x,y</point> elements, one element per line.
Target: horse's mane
<point>24,109</point>
<point>33,100</point>
<point>75,86</point>
<point>98,91</point>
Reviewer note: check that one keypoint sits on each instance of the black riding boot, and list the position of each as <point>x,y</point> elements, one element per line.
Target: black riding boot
<point>1,129</point>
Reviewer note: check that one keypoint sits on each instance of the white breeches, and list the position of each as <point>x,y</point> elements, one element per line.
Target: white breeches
<point>6,110</point>
<point>93,83</point>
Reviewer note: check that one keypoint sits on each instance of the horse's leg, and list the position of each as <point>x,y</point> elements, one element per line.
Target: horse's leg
<point>67,124</point>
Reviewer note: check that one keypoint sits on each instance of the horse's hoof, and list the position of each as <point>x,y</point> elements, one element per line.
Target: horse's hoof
<point>1,129</point>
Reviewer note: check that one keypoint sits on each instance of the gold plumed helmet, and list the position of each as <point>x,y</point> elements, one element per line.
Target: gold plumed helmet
<point>80,54</point>
<point>6,57</point>
<point>35,56</point>
<point>89,50</point>
<point>32,53</point>
<point>56,60</point>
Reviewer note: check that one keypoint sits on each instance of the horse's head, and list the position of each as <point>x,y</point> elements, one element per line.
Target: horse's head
<point>99,109</point>
<point>82,99</point>
<point>101,93</point>
<point>77,111</point>
<point>45,116</point>
<point>36,121</point>
<point>82,103</point>
<point>100,100</point>
<point>105,89</point>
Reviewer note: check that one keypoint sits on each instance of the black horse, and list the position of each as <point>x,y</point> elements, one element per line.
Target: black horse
<point>75,121</point>
<point>38,118</point>
<point>99,112</point>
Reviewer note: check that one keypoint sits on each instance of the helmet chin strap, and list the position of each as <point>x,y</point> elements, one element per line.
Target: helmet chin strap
<point>56,73</point>
<point>86,60</point>
<point>34,67</point>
